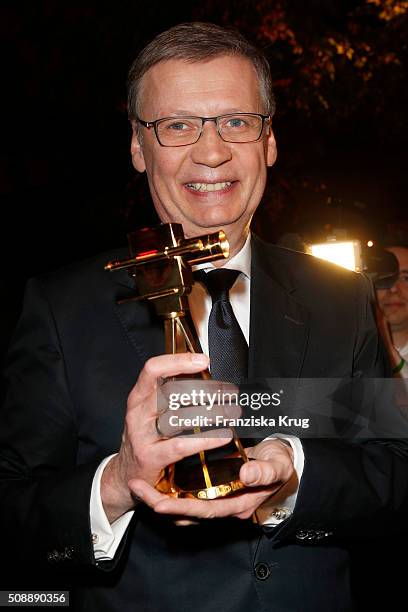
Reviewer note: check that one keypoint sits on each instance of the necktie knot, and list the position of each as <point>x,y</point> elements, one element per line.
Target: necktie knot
<point>218,282</point>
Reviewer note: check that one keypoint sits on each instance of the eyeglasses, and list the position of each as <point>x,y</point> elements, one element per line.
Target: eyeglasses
<point>402,278</point>
<point>182,131</point>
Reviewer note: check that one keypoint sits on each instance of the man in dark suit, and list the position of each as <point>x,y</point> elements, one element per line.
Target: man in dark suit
<point>80,450</point>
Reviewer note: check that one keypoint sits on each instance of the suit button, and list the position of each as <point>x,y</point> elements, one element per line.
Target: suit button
<point>262,571</point>
<point>53,556</point>
<point>323,534</point>
<point>68,553</point>
<point>306,534</point>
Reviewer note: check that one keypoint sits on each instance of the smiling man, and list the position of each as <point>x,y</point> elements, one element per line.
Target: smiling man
<point>215,183</point>
<point>81,444</point>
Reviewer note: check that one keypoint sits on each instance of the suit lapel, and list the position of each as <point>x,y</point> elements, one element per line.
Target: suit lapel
<point>278,322</point>
<point>139,321</point>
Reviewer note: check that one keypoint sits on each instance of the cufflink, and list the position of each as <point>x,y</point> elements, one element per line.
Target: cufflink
<point>280,514</point>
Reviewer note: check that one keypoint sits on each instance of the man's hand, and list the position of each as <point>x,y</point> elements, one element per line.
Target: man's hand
<point>271,468</point>
<point>143,454</point>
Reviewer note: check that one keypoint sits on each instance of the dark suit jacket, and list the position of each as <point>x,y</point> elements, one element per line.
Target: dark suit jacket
<point>76,355</point>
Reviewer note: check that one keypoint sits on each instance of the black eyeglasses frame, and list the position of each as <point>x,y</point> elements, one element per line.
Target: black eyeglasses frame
<point>153,124</point>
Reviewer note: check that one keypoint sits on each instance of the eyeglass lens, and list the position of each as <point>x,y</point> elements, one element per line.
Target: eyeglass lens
<point>187,130</point>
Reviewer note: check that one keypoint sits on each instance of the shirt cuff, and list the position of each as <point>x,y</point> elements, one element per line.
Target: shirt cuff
<point>279,506</point>
<point>106,537</point>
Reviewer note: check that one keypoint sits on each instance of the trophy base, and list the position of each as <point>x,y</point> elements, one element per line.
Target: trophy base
<point>190,481</point>
<point>221,490</point>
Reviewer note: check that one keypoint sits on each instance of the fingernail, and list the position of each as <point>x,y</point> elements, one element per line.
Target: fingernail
<point>252,474</point>
<point>137,495</point>
<point>199,359</point>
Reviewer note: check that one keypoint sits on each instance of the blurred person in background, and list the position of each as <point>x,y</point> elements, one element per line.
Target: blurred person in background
<point>393,307</point>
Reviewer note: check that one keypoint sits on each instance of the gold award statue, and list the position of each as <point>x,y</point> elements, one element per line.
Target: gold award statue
<point>160,263</point>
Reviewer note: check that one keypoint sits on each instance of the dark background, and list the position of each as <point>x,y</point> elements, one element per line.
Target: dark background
<point>67,186</point>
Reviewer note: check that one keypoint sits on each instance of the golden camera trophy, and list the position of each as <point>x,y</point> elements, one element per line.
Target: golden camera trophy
<point>160,263</point>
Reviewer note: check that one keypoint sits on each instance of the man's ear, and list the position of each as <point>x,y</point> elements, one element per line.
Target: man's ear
<point>271,151</point>
<point>136,150</point>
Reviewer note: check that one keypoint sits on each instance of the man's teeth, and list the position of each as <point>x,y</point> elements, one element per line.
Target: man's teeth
<point>208,186</point>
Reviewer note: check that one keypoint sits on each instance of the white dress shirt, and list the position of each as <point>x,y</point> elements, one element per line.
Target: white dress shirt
<point>106,537</point>
<point>403,352</point>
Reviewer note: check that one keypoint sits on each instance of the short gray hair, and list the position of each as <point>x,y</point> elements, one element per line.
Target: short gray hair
<point>195,42</point>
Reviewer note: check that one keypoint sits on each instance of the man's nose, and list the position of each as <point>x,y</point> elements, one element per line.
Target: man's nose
<point>395,287</point>
<point>210,149</point>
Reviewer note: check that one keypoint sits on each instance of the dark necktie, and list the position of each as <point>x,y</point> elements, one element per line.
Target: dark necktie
<point>227,345</point>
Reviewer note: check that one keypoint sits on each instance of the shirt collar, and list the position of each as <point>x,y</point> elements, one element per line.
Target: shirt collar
<point>240,261</point>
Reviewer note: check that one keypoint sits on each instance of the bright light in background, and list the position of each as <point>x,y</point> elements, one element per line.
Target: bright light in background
<point>370,243</point>
<point>345,254</point>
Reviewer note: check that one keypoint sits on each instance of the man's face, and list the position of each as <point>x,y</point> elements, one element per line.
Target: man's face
<point>236,171</point>
<point>394,301</point>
